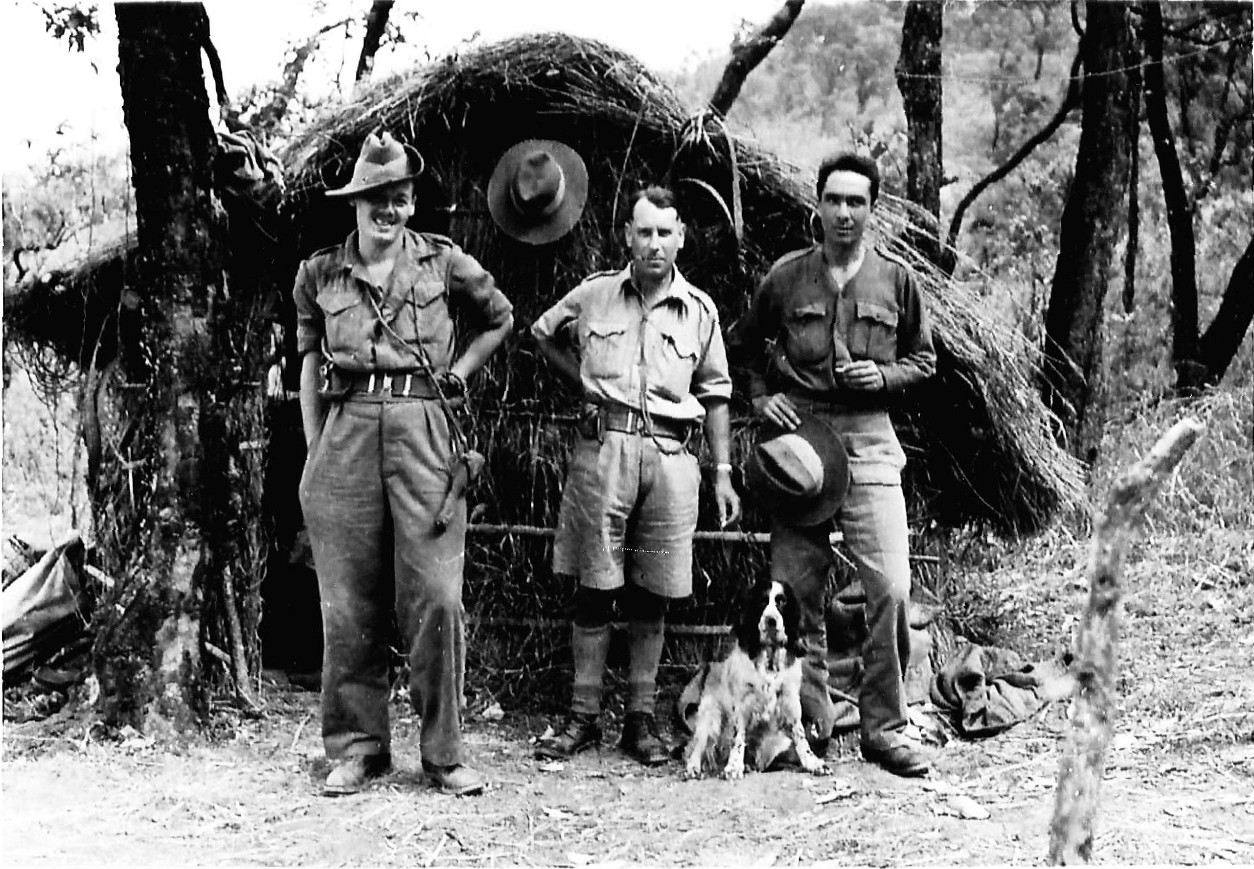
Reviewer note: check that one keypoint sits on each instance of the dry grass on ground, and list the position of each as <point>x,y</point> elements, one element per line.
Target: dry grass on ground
<point>1179,784</point>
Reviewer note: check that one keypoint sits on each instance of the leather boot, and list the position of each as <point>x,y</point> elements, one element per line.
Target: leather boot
<point>579,731</point>
<point>459,780</point>
<point>351,774</point>
<point>640,739</point>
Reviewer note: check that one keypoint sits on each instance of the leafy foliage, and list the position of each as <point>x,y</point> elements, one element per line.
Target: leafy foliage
<point>72,22</point>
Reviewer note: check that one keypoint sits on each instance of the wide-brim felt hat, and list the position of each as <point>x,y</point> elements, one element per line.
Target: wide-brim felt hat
<point>799,476</point>
<point>538,190</point>
<point>383,161</point>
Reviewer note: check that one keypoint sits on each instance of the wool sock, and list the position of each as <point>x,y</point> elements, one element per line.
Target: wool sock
<point>645,643</point>
<point>590,646</point>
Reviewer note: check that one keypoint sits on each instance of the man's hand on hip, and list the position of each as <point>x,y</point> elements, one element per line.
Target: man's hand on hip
<point>778,409</point>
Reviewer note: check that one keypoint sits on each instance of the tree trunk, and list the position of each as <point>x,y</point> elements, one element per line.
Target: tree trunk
<point>165,491</point>
<point>748,54</point>
<point>376,24</point>
<point>1092,224</point>
<point>1184,326</point>
<point>1223,337</point>
<point>919,80</point>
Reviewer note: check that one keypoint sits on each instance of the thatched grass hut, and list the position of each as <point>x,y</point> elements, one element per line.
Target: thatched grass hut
<point>979,439</point>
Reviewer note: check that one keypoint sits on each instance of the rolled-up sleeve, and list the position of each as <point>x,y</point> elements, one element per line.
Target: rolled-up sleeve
<point>475,289</point>
<point>560,316</point>
<point>309,323</point>
<point>711,379</point>
<point>748,340</point>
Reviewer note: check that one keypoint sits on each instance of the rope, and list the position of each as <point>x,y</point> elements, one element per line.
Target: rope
<point>564,625</point>
<point>718,536</point>
<point>1117,71</point>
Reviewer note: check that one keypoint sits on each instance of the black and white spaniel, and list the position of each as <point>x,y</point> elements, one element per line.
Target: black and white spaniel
<point>752,699</point>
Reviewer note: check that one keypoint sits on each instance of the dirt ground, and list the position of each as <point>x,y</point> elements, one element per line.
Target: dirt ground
<point>1179,784</point>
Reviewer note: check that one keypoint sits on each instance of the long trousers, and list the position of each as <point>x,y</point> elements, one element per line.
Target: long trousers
<point>876,538</point>
<point>370,490</point>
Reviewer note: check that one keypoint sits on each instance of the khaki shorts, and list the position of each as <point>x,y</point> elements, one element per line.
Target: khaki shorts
<point>628,513</point>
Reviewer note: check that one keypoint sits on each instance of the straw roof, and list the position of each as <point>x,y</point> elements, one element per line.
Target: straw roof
<point>979,439</point>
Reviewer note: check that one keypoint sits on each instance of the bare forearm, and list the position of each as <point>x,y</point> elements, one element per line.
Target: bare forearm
<point>312,407</point>
<point>718,431</point>
<point>481,347</point>
<point>561,360</point>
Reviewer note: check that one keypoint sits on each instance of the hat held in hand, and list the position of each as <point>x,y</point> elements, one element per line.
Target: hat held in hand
<point>538,190</point>
<point>800,476</point>
<point>383,161</point>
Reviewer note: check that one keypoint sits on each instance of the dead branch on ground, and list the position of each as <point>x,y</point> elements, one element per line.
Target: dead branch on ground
<point>1092,716</point>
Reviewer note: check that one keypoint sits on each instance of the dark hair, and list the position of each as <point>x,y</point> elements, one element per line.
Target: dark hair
<point>662,197</point>
<point>849,162</point>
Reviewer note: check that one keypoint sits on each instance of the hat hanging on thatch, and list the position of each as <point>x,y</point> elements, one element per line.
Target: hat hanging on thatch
<point>800,476</point>
<point>383,161</point>
<point>537,191</point>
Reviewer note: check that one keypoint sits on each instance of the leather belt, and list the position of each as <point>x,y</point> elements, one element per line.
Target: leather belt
<point>382,384</point>
<point>626,419</point>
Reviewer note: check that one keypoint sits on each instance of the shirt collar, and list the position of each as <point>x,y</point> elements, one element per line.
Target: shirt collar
<point>413,249</point>
<point>677,295</point>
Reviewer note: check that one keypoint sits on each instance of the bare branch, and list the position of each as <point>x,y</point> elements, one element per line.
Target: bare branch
<point>748,54</point>
<point>376,24</point>
<point>215,63</point>
<point>1069,102</point>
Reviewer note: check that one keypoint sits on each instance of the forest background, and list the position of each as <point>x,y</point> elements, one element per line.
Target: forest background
<point>829,84</point>
<point>1006,69</point>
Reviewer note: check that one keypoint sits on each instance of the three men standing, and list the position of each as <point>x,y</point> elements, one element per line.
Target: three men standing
<point>834,332</point>
<point>644,348</point>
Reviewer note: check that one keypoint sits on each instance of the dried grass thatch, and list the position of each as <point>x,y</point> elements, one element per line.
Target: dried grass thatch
<point>979,440</point>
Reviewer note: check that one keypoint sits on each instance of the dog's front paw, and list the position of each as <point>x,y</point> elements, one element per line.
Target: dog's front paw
<point>692,769</point>
<point>734,771</point>
<point>814,766</point>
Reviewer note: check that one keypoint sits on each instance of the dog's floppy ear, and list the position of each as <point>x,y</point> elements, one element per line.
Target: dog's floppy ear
<point>749,612</point>
<point>791,611</point>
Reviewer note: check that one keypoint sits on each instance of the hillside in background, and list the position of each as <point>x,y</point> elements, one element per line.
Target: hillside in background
<point>829,86</point>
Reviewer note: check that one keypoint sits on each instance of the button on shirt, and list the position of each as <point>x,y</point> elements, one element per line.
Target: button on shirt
<point>340,309</point>
<point>672,352</point>
<point>801,325</point>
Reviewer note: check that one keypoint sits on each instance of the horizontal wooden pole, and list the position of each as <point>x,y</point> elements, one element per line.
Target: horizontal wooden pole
<point>487,528</point>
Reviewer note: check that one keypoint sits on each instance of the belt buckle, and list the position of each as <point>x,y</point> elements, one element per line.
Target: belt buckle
<point>635,422</point>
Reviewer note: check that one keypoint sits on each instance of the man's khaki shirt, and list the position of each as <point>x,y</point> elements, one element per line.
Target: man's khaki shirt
<point>671,353</point>
<point>801,325</point>
<point>338,308</point>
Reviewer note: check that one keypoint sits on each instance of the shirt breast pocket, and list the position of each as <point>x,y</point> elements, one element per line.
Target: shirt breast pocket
<point>606,350</point>
<point>426,317</point>
<point>873,332</point>
<point>808,333</point>
<point>671,368</point>
<point>344,320</point>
